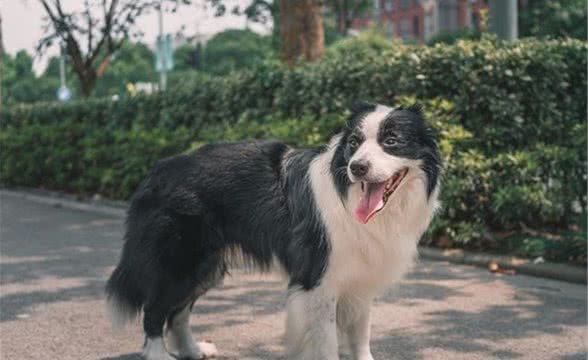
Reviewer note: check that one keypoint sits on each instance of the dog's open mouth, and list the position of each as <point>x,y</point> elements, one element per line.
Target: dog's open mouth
<point>375,195</point>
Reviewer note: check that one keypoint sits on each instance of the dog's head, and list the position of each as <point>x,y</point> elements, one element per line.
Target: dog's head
<point>379,149</point>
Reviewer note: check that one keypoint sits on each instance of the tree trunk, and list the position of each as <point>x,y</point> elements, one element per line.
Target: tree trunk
<point>341,20</point>
<point>87,82</point>
<point>344,19</point>
<point>348,24</point>
<point>301,30</point>
<point>87,75</point>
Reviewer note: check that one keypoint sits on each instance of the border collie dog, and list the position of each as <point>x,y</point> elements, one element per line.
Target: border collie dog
<point>342,221</point>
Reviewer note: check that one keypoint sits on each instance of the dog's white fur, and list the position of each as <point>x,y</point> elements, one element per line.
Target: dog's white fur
<point>365,259</point>
<point>154,349</point>
<point>180,341</point>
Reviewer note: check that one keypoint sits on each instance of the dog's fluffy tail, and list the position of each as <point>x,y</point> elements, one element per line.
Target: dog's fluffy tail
<point>123,296</point>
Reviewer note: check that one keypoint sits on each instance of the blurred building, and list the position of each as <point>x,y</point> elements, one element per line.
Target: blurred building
<point>419,20</point>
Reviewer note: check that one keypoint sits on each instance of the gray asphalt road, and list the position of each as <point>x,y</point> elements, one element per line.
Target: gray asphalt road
<point>54,262</point>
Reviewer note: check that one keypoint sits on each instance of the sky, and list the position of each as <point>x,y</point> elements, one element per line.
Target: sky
<point>22,24</point>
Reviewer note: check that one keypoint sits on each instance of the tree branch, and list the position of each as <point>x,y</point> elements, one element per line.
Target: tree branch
<point>103,65</point>
<point>104,34</point>
<point>57,23</point>
<point>90,26</point>
<point>106,31</point>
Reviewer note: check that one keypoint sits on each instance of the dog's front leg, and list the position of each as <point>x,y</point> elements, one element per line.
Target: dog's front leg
<point>358,328</point>
<point>311,329</point>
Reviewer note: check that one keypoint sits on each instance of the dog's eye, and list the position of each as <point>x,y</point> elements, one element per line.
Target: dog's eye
<point>353,142</point>
<point>391,141</point>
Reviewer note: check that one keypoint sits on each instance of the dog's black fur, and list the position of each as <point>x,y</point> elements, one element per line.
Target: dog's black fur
<point>193,212</point>
<point>416,140</point>
<point>193,209</point>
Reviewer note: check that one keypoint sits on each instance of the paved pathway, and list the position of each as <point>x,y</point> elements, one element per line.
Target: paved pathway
<point>54,262</point>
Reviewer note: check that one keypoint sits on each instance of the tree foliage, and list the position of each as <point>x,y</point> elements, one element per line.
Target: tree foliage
<point>261,11</point>
<point>511,162</point>
<point>132,63</point>
<point>226,51</point>
<point>235,50</point>
<point>91,36</point>
<point>19,83</point>
<point>188,57</point>
<point>297,25</point>
<point>554,18</point>
<point>306,41</point>
<point>346,11</point>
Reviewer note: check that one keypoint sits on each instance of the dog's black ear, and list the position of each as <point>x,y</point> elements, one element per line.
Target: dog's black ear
<point>416,108</point>
<point>362,106</point>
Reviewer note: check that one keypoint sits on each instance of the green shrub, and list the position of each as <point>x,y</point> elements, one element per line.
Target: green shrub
<point>372,41</point>
<point>554,18</point>
<point>511,119</point>
<point>84,158</point>
<point>528,90</point>
<point>450,37</point>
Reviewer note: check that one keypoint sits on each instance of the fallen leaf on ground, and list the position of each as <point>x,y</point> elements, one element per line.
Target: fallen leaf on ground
<point>493,267</point>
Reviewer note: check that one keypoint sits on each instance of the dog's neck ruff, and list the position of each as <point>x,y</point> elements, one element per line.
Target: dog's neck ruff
<point>369,257</point>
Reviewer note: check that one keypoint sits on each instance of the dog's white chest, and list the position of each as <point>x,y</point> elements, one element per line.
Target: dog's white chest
<point>366,259</point>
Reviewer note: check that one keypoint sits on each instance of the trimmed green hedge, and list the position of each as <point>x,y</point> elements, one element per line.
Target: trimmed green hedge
<point>531,88</point>
<point>512,120</point>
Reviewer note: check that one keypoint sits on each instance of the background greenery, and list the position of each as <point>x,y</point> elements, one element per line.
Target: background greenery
<point>511,119</point>
<point>549,18</point>
<point>236,50</point>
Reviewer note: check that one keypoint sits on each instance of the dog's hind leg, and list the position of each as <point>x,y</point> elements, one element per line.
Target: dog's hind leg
<point>209,272</point>
<point>153,321</point>
<point>171,299</point>
<point>168,306</point>
<point>180,338</point>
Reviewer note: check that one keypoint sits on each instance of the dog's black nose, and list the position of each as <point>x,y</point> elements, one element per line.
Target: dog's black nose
<point>359,168</point>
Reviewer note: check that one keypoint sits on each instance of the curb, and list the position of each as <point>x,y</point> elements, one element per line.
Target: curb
<point>55,199</point>
<point>562,272</point>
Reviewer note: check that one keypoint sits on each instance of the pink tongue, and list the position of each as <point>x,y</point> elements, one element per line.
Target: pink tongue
<point>370,202</point>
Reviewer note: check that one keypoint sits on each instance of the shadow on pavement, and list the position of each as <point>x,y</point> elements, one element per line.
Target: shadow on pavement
<point>574,356</point>
<point>133,356</point>
<point>77,250</point>
<point>534,310</point>
<point>52,255</point>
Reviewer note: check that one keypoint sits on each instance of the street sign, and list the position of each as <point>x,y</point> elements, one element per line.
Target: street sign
<point>63,94</point>
<point>164,53</point>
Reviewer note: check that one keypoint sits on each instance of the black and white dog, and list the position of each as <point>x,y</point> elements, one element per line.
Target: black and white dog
<point>342,220</point>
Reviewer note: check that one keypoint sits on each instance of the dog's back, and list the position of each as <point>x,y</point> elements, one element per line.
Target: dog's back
<point>184,216</point>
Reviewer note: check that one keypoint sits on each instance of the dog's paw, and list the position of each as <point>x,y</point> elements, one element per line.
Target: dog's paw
<point>365,357</point>
<point>201,350</point>
<point>207,349</point>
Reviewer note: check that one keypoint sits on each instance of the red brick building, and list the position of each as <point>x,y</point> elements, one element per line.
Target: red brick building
<point>419,20</point>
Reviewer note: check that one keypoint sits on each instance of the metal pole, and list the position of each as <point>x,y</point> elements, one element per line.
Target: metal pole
<point>62,67</point>
<point>376,12</point>
<point>503,19</point>
<point>163,72</point>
